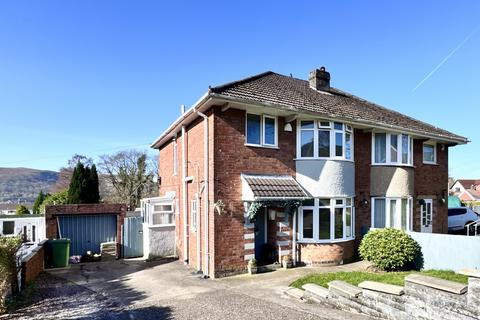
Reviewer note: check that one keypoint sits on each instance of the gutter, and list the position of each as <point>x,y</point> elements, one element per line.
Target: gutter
<point>180,120</point>
<point>336,118</point>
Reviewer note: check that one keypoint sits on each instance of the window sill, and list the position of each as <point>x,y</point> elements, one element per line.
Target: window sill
<point>261,146</point>
<point>430,163</point>
<point>153,226</point>
<point>306,241</point>
<point>392,165</point>
<point>327,159</point>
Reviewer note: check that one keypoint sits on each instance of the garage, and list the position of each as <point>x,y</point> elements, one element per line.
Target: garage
<point>86,225</point>
<point>87,232</point>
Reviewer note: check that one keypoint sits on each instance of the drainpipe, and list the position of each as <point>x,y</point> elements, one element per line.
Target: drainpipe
<point>206,205</point>
<point>184,197</point>
<point>294,240</point>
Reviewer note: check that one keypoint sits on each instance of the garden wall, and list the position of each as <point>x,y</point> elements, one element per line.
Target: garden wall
<point>33,264</point>
<point>422,297</point>
<point>448,252</point>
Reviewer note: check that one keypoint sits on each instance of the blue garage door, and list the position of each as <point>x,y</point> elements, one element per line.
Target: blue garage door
<point>88,232</point>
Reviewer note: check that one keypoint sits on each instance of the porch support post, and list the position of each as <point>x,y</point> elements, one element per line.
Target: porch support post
<point>294,238</point>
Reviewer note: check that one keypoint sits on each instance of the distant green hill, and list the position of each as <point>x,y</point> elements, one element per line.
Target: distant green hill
<point>24,184</point>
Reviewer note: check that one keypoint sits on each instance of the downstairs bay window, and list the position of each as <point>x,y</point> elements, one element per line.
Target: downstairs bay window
<point>326,220</point>
<point>392,213</point>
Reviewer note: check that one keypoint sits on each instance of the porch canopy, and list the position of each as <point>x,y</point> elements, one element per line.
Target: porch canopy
<point>256,187</point>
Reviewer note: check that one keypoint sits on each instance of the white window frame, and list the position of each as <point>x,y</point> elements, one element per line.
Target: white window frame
<point>332,205</point>
<point>431,144</point>
<point>262,143</point>
<point>388,223</point>
<point>388,147</point>
<point>194,214</point>
<point>317,126</point>
<point>152,212</point>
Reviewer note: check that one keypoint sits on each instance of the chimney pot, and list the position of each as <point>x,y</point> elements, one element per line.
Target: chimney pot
<point>319,79</point>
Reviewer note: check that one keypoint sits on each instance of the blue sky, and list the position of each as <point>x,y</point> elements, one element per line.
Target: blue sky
<point>94,77</point>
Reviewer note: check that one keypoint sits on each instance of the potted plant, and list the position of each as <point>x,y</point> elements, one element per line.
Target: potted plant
<point>252,266</point>
<point>287,261</point>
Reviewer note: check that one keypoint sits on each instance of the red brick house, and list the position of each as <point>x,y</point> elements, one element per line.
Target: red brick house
<point>271,165</point>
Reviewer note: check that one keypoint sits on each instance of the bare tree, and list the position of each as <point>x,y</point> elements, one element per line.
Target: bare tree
<point>128,176</point>
<point>65,173</point>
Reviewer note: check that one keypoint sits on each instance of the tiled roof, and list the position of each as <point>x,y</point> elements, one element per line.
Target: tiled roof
<point>468,183</point>
<point>266,186</point>
<point>296,94</point>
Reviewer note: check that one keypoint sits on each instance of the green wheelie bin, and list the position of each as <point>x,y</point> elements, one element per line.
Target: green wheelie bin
<point>60,252</point>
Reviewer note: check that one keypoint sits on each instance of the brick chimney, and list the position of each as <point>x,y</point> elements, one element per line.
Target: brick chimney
<point>319,79</point>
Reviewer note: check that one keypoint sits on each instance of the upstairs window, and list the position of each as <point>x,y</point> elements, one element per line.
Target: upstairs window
<point>429,153</point>
<point>392,148</point>
<point>324,139</point>
<point>261,130</point>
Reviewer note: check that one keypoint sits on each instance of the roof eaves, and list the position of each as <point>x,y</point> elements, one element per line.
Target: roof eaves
<point>459,140</point>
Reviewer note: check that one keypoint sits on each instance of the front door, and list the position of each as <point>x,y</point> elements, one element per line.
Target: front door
<point>426,215</point>
<point>260,236</point>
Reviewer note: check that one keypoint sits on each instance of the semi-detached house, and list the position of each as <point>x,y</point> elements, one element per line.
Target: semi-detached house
<point>272,165</point>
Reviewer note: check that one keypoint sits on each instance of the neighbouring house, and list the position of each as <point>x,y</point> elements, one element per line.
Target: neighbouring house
<point>11,208</point>
<point>31,226</point>
<point>468,190</point>
<point>273,166</point>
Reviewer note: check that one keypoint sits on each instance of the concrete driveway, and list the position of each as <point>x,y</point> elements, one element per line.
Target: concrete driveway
<point>134,289</point>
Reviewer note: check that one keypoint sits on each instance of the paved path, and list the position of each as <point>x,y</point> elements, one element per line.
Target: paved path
<point>135,289</point>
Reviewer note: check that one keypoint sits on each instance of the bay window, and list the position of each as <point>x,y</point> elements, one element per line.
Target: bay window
<point>324,140</point>
<point>391,213</point>
<point>261,130</point>
<point>392,148</point>
<point>326,220</point>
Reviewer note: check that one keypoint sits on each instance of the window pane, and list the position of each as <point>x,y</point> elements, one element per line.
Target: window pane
<point>393,213</point>
<point>348,222</point>
<point>338,223</point>
<point>379,213</point>
<point>324,124</point>
<point>269,131</point>
<point>324,202</point>
<point>349,202</point>
<point>163,207</point>
<point>307,143</point>
<point>428,153</point>
<point>338,144</point>
<point>253,128</point>
<point>307,125</point>
<point>308,224</point>
<point>324,143</point>
<point>405,149</point>
<point>339,202</point>
<point>308,203</point>
<point>404,214</point>
<point>380,147</point>
<point>162,218</point>
<point>324,224</point>
<point>338,126</point>
<point>348,146</point>
<point>393,148</point>
<point>8,227</point>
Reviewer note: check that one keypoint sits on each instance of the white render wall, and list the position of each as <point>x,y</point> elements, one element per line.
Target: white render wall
<point>326,178</point>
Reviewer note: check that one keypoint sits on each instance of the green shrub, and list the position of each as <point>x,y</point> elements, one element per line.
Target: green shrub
<point>22,210</point>
<point>389,249</point>
<point>9,268</point>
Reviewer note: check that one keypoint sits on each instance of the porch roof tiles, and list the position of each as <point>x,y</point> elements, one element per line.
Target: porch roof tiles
<point>274,186</point>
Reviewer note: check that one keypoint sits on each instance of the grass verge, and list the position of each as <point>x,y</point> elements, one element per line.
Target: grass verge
<point>355,277</point>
